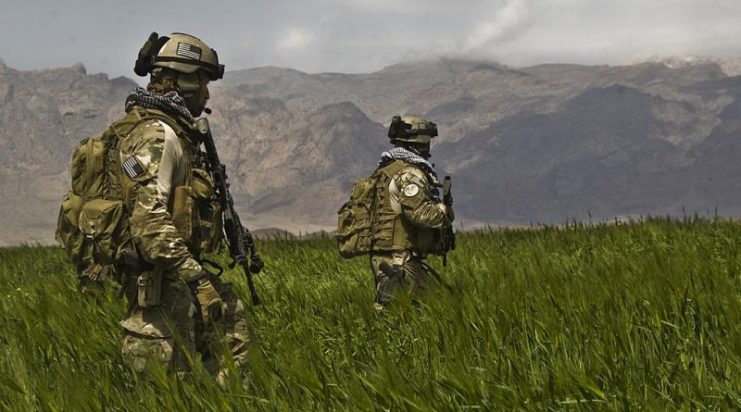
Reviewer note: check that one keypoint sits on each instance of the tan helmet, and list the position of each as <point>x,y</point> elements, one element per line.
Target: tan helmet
<point>180,52</point>
<point>412,128</point>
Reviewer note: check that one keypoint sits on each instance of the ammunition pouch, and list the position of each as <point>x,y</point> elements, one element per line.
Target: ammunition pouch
<point>196,213</point>
<point>149,288</point>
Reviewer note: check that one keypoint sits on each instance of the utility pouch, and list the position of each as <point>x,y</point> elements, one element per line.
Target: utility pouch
<point>105,228</point>
<point>148,289</point>
<point>68,232</point>
<point>355,220</point>
<point>207,217</point>
<point>87,168</point>
<point>182,211</point>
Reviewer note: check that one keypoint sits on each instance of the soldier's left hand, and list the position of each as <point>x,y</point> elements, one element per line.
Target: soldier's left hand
<point>209,300</point>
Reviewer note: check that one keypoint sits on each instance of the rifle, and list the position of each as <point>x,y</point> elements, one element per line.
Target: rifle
<point>447,236</point>
<point>238,237</point>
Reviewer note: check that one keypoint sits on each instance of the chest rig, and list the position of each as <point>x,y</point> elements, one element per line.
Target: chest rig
<point>195,208</point>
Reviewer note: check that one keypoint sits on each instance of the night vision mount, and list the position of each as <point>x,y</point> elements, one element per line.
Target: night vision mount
<point>400,129</point>
<point>149,55</point>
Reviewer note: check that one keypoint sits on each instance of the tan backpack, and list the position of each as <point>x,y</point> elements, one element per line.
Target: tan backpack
<point>355,221</point>
<point>92,225</point>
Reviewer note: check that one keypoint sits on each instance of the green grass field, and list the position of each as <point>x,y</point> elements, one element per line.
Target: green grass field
<point>639,316</point>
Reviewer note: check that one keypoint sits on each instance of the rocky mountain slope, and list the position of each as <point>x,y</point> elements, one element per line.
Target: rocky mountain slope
<point>730,65</point>
<point>539,144</point>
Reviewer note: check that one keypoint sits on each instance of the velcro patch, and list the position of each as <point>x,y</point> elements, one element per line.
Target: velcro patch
<point>189,50</point>
<point>132,167</point>
<point>411,190</point>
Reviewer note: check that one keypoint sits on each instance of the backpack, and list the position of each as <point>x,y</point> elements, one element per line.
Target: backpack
<point>92,225</point>
<point>355,221</point>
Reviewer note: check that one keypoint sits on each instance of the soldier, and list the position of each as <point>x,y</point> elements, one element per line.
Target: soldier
<point>409,214</point>
<point>177,308</point>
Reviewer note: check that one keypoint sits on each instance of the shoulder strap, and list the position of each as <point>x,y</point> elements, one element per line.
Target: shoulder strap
<point>90,161</point>
<point>138,114</point>
<point>391,168</point>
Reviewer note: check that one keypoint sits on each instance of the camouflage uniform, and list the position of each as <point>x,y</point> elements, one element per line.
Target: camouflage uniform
<point>168,195</point>
<point>407,226</point>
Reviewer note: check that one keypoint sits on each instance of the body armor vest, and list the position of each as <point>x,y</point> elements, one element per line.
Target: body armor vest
<point>391,231</point>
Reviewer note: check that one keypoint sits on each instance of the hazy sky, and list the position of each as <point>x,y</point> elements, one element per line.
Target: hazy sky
<point>366,35</point>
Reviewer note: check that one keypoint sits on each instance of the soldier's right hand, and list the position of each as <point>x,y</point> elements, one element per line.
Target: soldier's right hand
<point>208,298</point>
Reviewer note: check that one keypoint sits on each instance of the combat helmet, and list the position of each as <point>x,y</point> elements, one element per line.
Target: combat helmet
<point>180,52</point>
<point>412,129</point>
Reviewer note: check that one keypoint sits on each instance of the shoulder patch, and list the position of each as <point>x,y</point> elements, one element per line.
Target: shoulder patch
<point>132,167</point>
<point>411,190</point>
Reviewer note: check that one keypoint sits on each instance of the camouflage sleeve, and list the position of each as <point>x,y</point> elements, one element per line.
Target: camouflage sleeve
<point>411,188</point>
<point>150,221</point>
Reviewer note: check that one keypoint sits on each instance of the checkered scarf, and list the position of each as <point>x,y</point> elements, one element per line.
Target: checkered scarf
<point>170,102</point>
<point>400,153</point>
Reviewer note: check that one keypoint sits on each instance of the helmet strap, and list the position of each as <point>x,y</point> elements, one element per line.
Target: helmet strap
<point>422,149</point>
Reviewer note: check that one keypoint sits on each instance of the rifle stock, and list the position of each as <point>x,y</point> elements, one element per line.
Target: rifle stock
<point>238,237</point>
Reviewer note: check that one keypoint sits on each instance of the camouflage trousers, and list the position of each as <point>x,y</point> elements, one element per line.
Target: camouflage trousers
<point>407,274</point>
<point>172,333</point>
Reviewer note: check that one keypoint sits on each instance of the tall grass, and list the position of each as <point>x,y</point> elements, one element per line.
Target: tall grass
<point>644,315</point>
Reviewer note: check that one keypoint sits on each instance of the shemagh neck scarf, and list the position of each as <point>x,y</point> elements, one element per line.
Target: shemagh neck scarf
<point>170,102</point>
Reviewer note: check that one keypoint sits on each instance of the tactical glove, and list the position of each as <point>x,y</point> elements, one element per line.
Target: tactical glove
<point>208,298</point>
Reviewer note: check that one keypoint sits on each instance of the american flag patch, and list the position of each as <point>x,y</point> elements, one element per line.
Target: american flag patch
<point>132,167</point>
<point>189,50</point>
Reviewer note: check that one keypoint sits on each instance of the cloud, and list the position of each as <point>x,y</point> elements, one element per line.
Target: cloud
<point>295,39</point>
<point>366,35</point>
<point>503,26</point>
<point>390,7</point>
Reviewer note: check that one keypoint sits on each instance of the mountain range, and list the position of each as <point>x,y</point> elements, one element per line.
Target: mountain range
<point>543,144</point>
